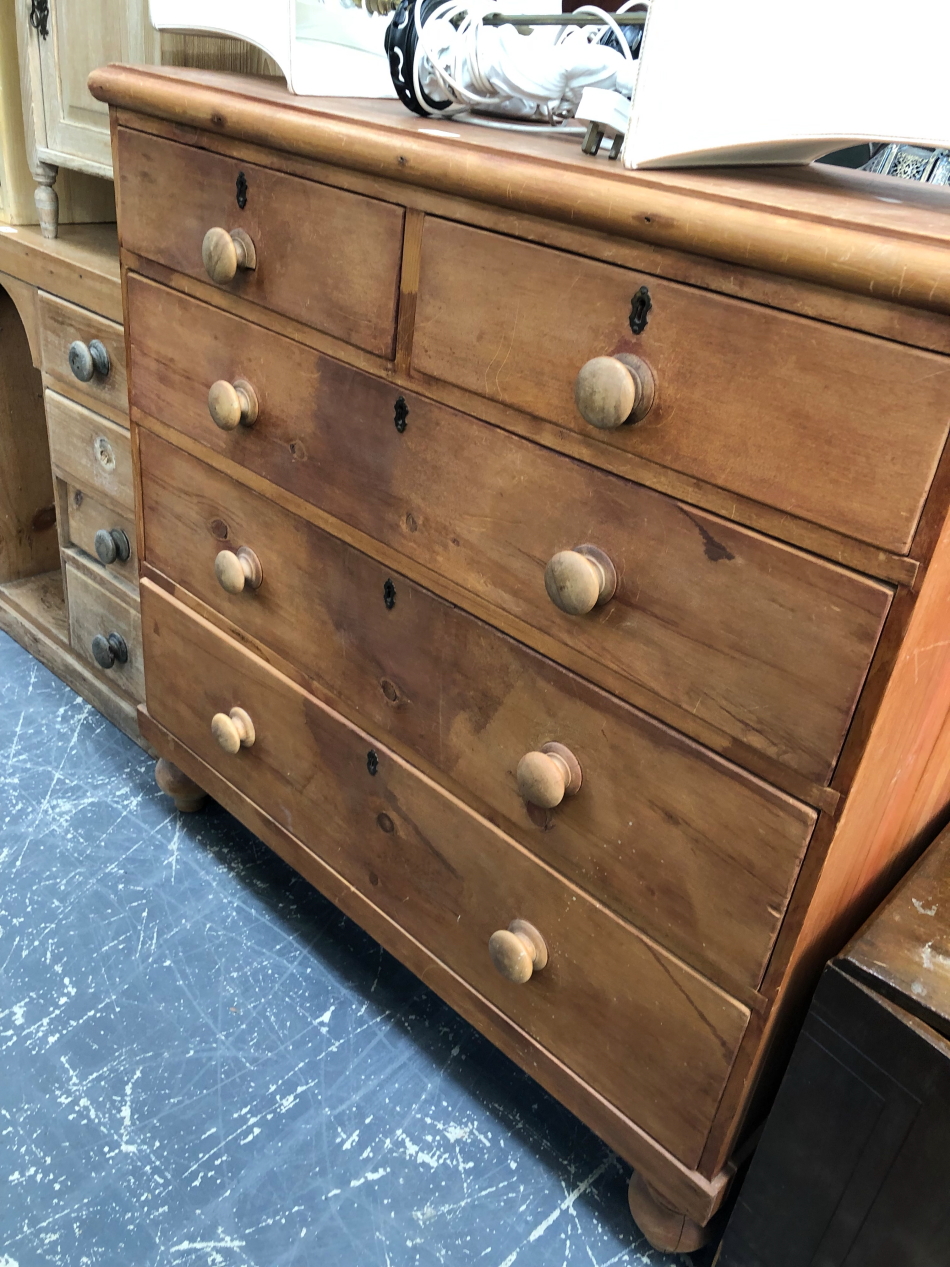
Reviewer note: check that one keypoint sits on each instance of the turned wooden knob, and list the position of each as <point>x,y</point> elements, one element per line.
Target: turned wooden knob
<point>112,545</point>
<point>232,404</point>
<point>545,777</point>
<point>518,951</point>
<point>223,253</point>
<point>233,730</point>
<point>238,570</point>
<point>579,580</point>
<point>109,649</point>
<point>88,359</point>
<point>610,391</point>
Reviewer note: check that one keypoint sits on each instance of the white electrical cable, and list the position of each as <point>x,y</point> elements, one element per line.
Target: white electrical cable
<point>495,70</point>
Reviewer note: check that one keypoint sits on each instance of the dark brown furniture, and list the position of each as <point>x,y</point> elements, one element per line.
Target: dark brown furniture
<point>853,1169</point>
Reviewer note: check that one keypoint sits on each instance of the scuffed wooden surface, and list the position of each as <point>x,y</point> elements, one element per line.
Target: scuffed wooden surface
<point>206,1064</point>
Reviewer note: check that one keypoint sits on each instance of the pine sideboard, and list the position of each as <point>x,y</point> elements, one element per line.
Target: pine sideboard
<point>552,563</point>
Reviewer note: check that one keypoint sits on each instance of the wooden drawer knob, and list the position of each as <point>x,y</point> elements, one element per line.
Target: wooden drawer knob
<point>238,570</point>
<point>545,777</point>
<point>223,253</point>
<point>610,391</point>
<point>232,404</point>
<point>233,730</point>
<point>112,545</point>
<point>88,359</point>
<point>518,951</point>
<point>579,580</point>
<point>109,649</point>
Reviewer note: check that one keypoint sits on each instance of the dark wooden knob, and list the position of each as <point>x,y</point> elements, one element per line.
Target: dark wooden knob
<point>518,951</point>
<point>109,649</point>
<point>238,570</point>
<point>224,254</point>
<point>579,580</point>
<point>610,391</point>
<point>86,360</point>
<point>233,731</point>
<point>232,404</point>
<point>112,544</point>
<point>545,777</point>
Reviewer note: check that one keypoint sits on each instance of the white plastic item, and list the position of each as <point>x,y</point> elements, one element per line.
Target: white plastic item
<point>756,81</point>
<point>325,48</point>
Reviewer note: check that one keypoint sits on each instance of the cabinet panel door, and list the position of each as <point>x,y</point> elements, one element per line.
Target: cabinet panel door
<point>85,34</point>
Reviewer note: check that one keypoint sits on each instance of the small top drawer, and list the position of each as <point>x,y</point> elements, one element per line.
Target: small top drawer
<point>85,350</point>
<point>320,255</point>
<point>829,425</point>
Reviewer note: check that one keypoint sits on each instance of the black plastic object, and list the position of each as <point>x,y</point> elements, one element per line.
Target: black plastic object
<point>400,44</point>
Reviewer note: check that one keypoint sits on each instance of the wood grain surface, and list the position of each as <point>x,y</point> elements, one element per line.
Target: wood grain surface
<point>28,543</point>
<point>616,1008</point>
<point>61,324</point>
<point>86,514</point>
<point>90,451</point>
<point>663,832</point>
<point>324,256</point>
<point>904,950</point>
<point>818,224</point>
<point>825,423</point>
<point>99,605</point>
<point>766,643</point>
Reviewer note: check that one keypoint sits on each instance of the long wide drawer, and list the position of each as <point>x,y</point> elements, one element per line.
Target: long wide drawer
<point>324,256</point>
<point>653,1037</point>
<point>765,643</point>
<point>684,844</point>
<point>825,423</point>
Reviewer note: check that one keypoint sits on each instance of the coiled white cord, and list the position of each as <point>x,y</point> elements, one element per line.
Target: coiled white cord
<point>443,67</point>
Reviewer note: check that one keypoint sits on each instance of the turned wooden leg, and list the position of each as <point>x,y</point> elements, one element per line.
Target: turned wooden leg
<point>47,199</point>
<point>187,795</point>
<point>666,1229</point>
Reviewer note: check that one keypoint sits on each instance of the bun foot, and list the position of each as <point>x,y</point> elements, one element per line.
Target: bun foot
<point>666,1229</point>
<point>187,795</point>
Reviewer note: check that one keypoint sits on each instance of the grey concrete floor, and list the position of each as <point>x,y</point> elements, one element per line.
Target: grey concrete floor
<point>203,1062</point>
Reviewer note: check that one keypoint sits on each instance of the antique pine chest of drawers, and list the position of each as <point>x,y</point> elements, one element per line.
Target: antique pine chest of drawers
<point>551,563</point>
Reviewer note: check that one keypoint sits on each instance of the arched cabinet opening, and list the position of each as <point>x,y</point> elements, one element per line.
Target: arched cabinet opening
<point>30,574</point>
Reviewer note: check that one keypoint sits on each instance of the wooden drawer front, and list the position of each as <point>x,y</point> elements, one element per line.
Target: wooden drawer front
<point>325,257</point>
<point>61,325</point>
<point>86,516</point>
<point>767,644</point>
<point>90,451</point>
<point>653,1037</point>
<point>662,831</point>
<point>98,607</point>
<point>827,424</point>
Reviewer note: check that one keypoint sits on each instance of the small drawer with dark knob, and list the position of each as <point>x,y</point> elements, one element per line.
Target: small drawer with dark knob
<point>83,351</point>
<point>104,623</point>
<point>103,531</point>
